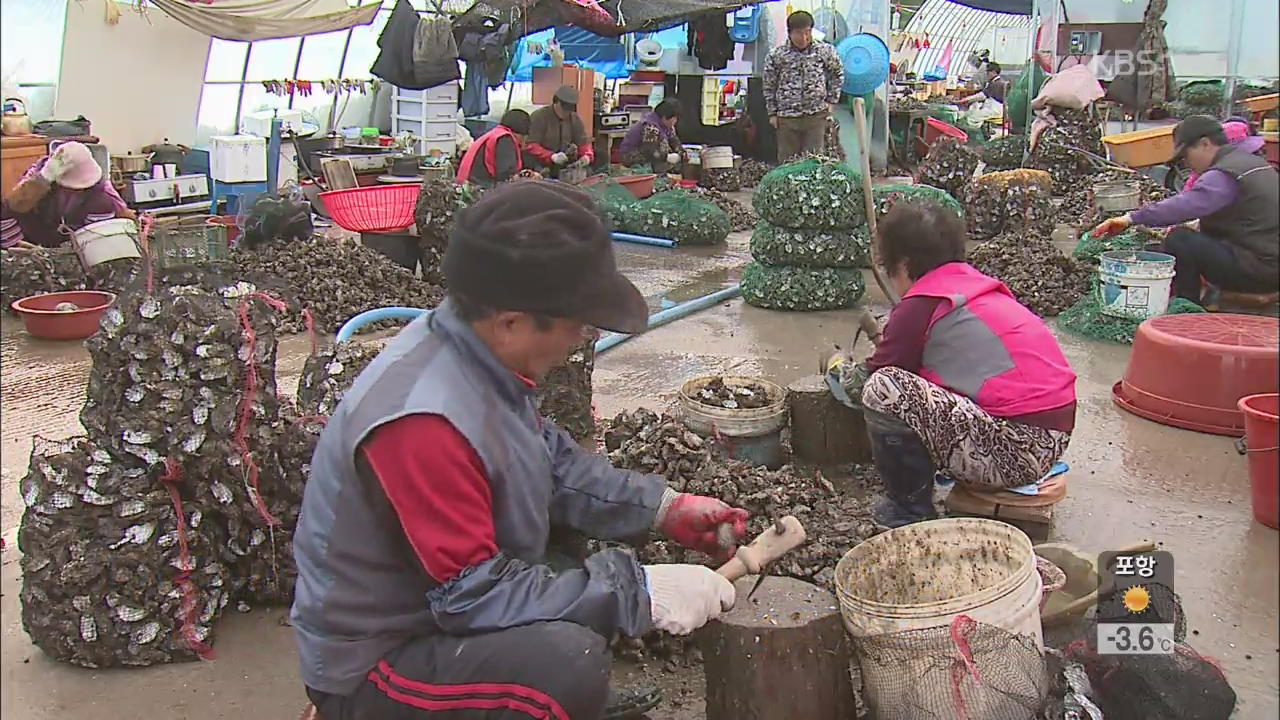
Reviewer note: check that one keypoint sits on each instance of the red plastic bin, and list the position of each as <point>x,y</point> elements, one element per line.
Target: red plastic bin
<point>1190,371</point>
<point>378,208</point>
<point>1262,444</point>
<point>935,128</point>
<point>42,319</point>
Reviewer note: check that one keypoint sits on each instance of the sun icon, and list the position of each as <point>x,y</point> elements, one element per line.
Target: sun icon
<point>1137,599</point>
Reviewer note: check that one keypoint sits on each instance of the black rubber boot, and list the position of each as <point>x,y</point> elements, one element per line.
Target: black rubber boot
<point>631,703</point>
<point>906,470</point>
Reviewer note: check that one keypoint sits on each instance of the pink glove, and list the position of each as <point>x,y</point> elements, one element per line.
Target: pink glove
<point>694,521</point>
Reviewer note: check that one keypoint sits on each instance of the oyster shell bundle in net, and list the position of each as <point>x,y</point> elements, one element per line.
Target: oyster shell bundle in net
<point>1033,268</point>
<point>333,280</point>
<point>112,574</point>
<point>328,374</point>
<point>564,395</point>
<point>779,287</point>
<point>752,171</point>
<point>814,193</point>
<point>887,195</point>
<point>773,245</point>
<point>1005,153</point>
<point>725,179</point>
<point>1010,201</point>
<point>949,166</point>
<point>741,216</point>
<point>1055,149</point>
<point>678,216</point>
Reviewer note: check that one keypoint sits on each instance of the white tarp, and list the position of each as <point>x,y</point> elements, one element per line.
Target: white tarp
<point>249,20</point>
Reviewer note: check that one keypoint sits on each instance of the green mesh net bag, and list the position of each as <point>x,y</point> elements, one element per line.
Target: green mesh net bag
<point>1090,249</point>
<point>680,217</point>
<point>614,201</point>
<point>775,245</point>
<point>815,193</point>
<point>1086,318</point>
<point>1026,88</point>
<point>887,195</point>
<point>800,288</point>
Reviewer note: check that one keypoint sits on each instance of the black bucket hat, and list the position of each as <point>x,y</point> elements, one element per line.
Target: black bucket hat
<point>539,246</point>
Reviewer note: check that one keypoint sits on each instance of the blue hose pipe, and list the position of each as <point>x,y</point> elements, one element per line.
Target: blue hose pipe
<point>371,316</point>
<point>663,317</point>
<point>644,240</point>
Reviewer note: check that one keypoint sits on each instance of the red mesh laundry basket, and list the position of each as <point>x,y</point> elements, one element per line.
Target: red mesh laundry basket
<point>378,208</point>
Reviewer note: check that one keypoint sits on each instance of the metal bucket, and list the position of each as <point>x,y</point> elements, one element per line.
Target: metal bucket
<point>1116,197</point>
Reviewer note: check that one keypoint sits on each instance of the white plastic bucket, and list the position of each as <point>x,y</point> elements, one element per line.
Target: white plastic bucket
<point>106,240</point>
<point>720,156</point>
<point>926,574</point>
<point>1134,284</point>
<point>733,422</point>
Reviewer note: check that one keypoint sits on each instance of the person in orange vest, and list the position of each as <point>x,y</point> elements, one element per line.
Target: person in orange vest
<point>496,156</point>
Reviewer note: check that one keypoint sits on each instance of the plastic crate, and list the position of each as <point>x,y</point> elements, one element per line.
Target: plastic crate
<point>1141,148</point>
<point>187,241</point>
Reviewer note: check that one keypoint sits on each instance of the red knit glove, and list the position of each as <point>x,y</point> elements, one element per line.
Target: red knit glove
<point>694,521</point>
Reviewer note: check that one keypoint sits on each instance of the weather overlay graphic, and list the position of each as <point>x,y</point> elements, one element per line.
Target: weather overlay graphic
<point>1137,611</point>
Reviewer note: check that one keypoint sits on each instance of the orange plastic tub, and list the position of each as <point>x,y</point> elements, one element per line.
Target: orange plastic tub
<point>1141,148</point>
<point>1262,444</point>
<point>1191,370</point>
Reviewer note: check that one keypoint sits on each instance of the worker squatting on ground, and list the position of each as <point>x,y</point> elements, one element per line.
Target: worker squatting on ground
<point>653,141</point>
<point>802,81</point>
<point>557,138</point>
<point>965,382</point>
<point>1236,198</point>
<point>422,544</point>
<point>57,196</point>
<point>497,155</point>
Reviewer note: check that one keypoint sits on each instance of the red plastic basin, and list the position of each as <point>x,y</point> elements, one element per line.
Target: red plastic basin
<point>640,185</point>
<point>42,320</point>
<point>1262,444</point>
<point>1190,371</point>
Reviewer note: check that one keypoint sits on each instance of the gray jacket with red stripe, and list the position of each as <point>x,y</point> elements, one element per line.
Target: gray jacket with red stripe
<point>362,591</point>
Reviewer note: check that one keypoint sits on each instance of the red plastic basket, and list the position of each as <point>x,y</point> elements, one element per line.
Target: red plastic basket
<point>379,208</point>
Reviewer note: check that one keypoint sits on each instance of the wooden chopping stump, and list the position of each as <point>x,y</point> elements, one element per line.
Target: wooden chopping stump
<point>781,654</point>
<point>824,431</point>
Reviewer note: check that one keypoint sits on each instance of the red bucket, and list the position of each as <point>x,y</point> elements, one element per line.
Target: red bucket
<point>1261,441</point>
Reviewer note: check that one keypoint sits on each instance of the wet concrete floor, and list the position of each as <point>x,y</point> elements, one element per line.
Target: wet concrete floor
<point>1130,479</point>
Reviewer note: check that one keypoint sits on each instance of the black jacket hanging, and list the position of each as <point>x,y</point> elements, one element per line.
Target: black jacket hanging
<point>709,40</point>
<point>396,63</point>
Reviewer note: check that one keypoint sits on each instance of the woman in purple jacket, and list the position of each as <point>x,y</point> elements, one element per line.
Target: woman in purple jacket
<point>653,140</point>
<point>965,381</point>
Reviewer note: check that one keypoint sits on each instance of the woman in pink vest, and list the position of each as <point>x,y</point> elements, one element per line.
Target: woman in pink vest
<point>496,156</point>
<point>965,382</point>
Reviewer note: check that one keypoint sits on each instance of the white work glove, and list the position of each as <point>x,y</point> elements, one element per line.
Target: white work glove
<point>56,166</point>
<point>559,158</point>
<point>683,598</point>
<point>673,158</point>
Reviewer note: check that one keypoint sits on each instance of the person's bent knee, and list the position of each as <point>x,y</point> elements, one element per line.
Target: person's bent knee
<point>881,387</point>
<point>1177,239</point>
<point>581,657</point>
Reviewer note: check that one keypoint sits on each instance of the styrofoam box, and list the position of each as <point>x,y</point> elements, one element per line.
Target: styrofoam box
<point>238,158</point>
<point>259,123</point>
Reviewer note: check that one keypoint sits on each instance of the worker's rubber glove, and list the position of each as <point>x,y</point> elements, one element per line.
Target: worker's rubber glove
<point>1114,226</point>
<point>57,165</point>
<point>559,158</point>
<point>694,521</point>
<point>682,598</point>
<point>673,158</point>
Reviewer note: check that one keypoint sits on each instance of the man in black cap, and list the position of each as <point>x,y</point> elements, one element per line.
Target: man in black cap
<point>1236,198</point>
<point>423,587</point>
<point>557,137</point>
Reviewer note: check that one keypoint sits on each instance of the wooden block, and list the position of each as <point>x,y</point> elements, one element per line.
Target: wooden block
<point>824,431</point>
<point>1036,522</point>
<point>781,654</point>
<point>339,174</point>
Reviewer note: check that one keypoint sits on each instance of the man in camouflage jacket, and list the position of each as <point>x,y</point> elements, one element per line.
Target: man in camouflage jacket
<point>802,82</point>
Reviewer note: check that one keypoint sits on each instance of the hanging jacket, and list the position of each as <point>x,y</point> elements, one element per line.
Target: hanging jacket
<point>708,39</point>
<point>413,55</point>
<point>362,590</point>
<point>983,344</point>
<point>486,147</point>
